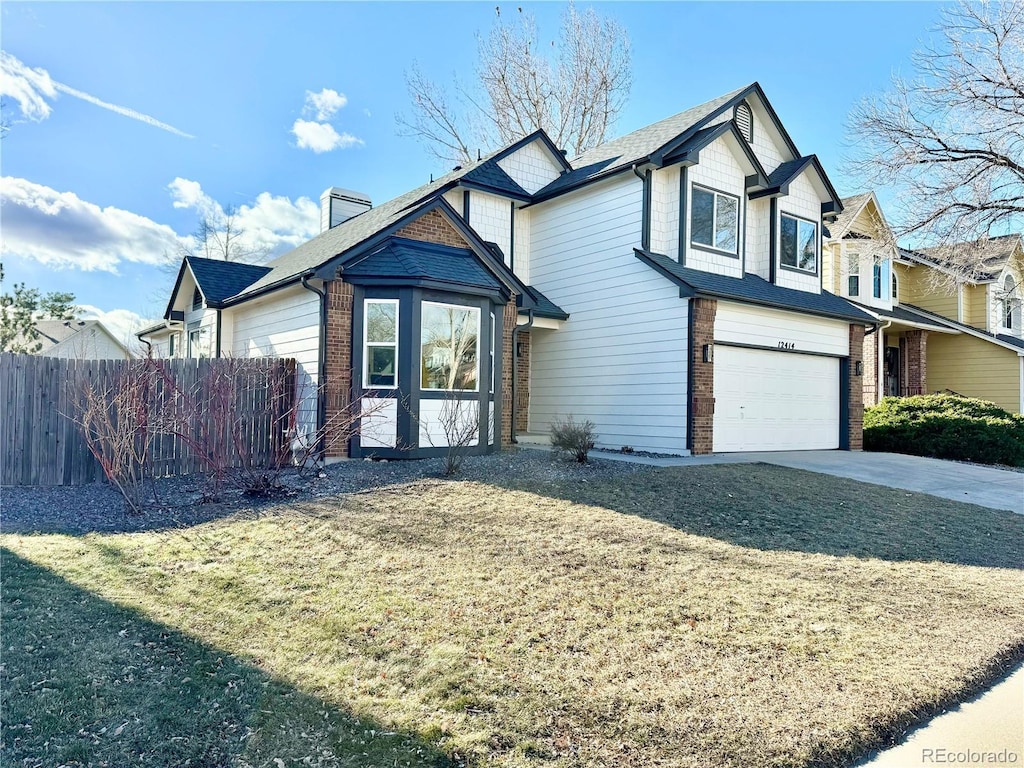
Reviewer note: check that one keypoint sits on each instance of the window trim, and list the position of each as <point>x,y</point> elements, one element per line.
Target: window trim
<point>173,344</point>
<point>714,215</point>
<point>479,322</point>
<point>851,275</point>
<point>876,280</point>
<point>1009,305</point>
<point>197,328</point>
<point>895,287</point>
<point>367,343</point>
<point>817,244</point>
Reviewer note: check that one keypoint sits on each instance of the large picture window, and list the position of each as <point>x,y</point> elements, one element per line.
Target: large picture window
<point>380,343</point>
<point>714,220</point>
<point>449,347</point>
<point>798,244</point>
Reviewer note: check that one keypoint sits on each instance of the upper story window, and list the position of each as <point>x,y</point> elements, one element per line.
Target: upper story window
<point>798,244</point>
<point>895,287</point>
<point>714,220</point>
<point>876,280</point>
<point>449,347</point>
<point>853,281</point>
<point>197,299</point>
<point>1009,305</point>
<point>744,120</point>
<point>172,345</point>
<point>198,341</point>
<point>380,343</point>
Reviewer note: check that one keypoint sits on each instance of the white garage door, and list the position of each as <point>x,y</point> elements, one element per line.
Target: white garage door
<point>775,401</point>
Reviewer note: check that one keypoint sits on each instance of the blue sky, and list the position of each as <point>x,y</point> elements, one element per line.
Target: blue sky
<point>136,115</point>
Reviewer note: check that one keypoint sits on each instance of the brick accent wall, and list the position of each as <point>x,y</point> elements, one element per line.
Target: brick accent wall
<point>508,325</point>
<point>523,383</point>
<point>702,400</point>
<point>338,373</point>
<point>433,227</point>
<point>856,384</point>
<point>916,362</point>
<point>870,357</point>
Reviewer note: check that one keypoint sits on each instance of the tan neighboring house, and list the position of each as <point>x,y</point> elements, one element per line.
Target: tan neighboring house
<point>78,340</point>
<point>937,334</point>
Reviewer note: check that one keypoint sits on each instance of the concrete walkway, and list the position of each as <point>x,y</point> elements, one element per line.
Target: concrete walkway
<point>987,730</point>
<point>985,486</point>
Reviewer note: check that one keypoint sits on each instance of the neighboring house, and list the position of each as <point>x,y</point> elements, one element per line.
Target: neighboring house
<point>936,333</point>
<point>666,285</point>
<point>78,340</point>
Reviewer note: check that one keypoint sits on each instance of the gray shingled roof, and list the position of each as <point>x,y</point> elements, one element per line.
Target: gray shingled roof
<point>991,255</point>
<point>401,258</point>
<point>902,313</point>
<point>53,332</point>
<point>1013,341</point>
<point>752,289</point>
<point>637,145</point>
<point>219,280</point>
<point>490,174</point>
<point>545,307</point>
<point>851,207</point>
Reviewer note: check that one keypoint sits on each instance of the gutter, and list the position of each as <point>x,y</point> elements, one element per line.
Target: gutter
<point>515,367</point>
<point>321,365</point>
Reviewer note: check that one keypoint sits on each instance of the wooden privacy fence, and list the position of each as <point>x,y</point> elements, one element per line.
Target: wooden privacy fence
<point>243,409</point>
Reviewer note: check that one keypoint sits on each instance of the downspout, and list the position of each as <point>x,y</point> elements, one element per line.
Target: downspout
<point>321,365</point>
<point>218,333</point>
<point>645,212</point>
<point>515,366</point>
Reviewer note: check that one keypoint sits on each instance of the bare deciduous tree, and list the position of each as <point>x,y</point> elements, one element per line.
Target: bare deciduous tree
<point>220,236</point>
<point>573,87</point>
<point>950,141</point>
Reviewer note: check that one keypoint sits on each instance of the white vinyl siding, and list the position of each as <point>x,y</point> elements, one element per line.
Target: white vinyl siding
<point>802,202</point>
<point>620,360</point>
<point>765,327</point>
<point>284,324</point>
<point>491,217</point>
<point>717,171</point>
<point>758,237</point>
<point>531,167</point>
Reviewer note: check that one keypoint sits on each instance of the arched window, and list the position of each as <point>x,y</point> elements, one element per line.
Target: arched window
<point>895,287</point>
<point>744,120</point>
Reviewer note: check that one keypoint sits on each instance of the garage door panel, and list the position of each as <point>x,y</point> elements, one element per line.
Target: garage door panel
<point>775,401</point>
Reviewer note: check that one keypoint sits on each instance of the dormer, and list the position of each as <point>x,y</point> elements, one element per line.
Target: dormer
<point>860,253</point>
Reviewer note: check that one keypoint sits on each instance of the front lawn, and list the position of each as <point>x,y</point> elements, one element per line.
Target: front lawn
<point>720,615</point>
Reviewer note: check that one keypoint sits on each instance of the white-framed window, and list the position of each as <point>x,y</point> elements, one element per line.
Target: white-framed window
<point>1009,304</point>
<point>714,220</point>
<point>449,347</point>
<point>798,243</point>
<point>853,269</point>
<point>895,286</point>
<point>876,280</point>
<point>493,334</point>
<point>174,345</point>
<point>198,341</point>
<point>380,343</point>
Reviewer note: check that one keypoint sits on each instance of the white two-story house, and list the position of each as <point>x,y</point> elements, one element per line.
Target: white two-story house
<point>667,285</point>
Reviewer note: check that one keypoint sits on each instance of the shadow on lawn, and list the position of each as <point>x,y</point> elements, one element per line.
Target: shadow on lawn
<point>89,682</point>
<point>768,507</point>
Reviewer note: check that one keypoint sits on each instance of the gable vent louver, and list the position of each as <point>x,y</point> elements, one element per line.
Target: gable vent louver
<point>744,120</point>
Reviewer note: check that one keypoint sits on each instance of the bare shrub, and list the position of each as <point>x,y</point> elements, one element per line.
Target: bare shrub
<point>573,437</point>
<point>461,427</point>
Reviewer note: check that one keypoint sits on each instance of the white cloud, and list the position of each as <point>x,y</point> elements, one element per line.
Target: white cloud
<point>60,229</point>
<point>271,221</point>
<point>31,88</point>
<point>324,105</point>
<point>321,137</point>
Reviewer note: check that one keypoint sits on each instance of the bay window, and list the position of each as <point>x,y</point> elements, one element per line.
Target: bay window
<point>380,343</point>
<point>449,347</point>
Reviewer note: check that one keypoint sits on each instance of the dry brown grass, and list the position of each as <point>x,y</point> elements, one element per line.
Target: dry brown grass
<point>517,629</point>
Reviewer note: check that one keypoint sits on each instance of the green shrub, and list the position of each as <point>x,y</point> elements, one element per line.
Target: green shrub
<point>946,427</point>
<point>576,438</point>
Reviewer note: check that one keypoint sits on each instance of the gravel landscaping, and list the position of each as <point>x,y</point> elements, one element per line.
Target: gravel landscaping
<point>99,507</point>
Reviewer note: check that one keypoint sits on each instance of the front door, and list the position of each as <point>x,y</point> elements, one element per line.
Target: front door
<point>892,371</point>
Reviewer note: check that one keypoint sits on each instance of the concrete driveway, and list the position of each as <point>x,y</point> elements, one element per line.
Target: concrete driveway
<point>984,486</point>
